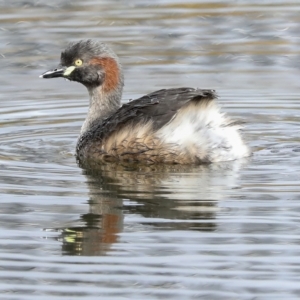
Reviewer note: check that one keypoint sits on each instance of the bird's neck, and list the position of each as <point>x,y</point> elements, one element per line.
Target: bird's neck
<point>102,105</point>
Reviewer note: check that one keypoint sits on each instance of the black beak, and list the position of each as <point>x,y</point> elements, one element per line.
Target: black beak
<point>53,73</point>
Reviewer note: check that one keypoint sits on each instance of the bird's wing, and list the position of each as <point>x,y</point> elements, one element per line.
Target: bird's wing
<point>159,107</point>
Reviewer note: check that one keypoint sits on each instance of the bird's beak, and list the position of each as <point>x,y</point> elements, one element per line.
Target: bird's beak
<point>62,72</point>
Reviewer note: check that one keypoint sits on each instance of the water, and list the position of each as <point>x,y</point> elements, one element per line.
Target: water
<point>224,231</point>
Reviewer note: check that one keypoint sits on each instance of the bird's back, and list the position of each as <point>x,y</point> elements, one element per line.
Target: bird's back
<point>180,125</point>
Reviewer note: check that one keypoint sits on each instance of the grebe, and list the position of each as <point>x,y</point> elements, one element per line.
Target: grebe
<point>177,126</point>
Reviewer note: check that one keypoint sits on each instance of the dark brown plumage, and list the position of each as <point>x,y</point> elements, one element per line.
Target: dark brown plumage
<point>158,108</point>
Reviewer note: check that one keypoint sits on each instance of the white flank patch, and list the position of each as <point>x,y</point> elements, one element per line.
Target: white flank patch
<point>202,131</point>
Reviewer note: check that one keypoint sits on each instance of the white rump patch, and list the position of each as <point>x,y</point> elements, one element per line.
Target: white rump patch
<point>201,130</point>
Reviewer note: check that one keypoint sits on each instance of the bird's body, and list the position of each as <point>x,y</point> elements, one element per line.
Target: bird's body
<point>179,126</point>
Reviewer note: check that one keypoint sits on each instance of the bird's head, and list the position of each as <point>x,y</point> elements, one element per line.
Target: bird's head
<point>91,63</point>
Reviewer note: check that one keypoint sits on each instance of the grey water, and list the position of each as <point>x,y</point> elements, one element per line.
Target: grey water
<point>221,231</point>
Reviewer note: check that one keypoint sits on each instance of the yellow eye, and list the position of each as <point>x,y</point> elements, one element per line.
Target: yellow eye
<point>78,62</point>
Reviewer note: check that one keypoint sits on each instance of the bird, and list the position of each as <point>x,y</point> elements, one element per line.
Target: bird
<point>169,126</point>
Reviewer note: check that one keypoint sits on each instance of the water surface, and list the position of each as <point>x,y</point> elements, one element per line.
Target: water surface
<point>223,231</point>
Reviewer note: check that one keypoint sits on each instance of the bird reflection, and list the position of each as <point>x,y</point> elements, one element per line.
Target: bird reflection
<point>172,197</point>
